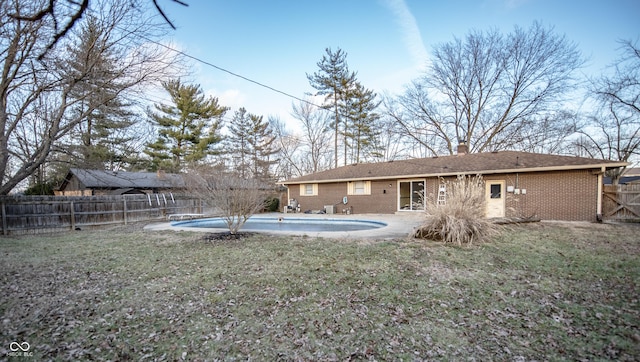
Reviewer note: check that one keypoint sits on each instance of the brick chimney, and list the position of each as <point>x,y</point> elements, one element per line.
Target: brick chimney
<point>463,149</point>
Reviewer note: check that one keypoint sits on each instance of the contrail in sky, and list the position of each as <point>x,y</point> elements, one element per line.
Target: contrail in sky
<point>411,33</point>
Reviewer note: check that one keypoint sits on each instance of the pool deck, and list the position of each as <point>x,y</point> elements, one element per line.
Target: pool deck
<point>398,226</point>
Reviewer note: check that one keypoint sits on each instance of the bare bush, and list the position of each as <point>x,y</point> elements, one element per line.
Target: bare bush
<point>460,219</point>
<point>236,198</point>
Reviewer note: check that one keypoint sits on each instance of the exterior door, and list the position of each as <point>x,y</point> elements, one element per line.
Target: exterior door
<point>495,195</point>
<point>411,195</point>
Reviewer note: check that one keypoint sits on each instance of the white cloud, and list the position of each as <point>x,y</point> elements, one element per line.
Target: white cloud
<point>232,98</point>
<point>410,32</point>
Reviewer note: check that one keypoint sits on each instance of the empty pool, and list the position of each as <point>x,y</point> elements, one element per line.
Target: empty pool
<point>287,224</point>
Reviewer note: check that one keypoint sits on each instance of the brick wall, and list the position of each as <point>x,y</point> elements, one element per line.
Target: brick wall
<point>558,195</point>
<point>383,198</point>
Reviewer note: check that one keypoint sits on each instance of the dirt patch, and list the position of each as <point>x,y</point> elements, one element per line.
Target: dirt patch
<point>227,236</point>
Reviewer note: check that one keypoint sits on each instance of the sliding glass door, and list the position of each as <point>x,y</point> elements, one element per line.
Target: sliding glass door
<point>411,195</point>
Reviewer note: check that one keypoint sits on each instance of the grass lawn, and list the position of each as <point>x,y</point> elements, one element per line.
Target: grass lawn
<point>544,291</point>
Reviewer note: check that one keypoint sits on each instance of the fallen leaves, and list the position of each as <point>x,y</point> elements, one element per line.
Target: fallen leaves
<point>147,297</point>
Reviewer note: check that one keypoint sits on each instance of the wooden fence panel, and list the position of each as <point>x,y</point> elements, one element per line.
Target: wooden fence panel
<point>621,203</point>
<point>34,214</point>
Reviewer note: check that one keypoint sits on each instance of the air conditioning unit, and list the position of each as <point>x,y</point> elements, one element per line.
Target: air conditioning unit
<point>329,209</point>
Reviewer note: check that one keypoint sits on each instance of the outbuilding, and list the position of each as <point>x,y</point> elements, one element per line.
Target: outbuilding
<point>83,182</point>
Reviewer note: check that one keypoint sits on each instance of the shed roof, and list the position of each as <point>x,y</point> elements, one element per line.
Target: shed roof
<point>473,163</point>
<point>125,179</point>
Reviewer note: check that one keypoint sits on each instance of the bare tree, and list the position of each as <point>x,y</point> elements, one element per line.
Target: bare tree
<point>66,14</point>
<point>39,94</point>
<point>548,133</point>
<point>316,135</point>
<point>394,140</point>
<point>489,88</point>
<point>289,146</point>
<point>613,132</point>
<point>391,144</point>
<point>236,198</point>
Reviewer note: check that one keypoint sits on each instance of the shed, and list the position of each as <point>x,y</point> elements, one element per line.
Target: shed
<point>82,182</point>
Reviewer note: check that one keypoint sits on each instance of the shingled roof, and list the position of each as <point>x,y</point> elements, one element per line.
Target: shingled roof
<point>473,163</point>
<point>99,179</point>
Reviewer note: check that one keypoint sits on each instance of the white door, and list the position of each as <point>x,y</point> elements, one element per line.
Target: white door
<point>495,198</point>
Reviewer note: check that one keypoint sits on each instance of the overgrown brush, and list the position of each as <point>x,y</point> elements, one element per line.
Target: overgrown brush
<point>460,220</point>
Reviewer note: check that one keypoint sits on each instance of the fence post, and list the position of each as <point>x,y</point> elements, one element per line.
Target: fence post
<point>124,200</point>
<point>4,220</point>
<point>73,216</point>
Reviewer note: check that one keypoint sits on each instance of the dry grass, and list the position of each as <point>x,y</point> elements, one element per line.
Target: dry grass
<point>461,219</point>
<point>536,292</point>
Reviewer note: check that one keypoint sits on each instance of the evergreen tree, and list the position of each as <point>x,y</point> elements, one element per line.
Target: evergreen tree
<point>263,147</point>
<point>332,80</point>
<point>251,145</point>
<point>101,140</point>
<point>187,130</point>
<point>361,128</point>
<point>238,147</point>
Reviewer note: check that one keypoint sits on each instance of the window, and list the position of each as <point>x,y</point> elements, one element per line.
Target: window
<point>359,188</point>
<point>308,189</point>
<point>496,191</point>
<point>411,195</point>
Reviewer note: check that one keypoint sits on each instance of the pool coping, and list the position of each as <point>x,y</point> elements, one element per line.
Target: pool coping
<point>398,226</point>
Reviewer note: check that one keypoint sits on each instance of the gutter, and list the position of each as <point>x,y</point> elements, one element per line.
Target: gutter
<point>601,166</point>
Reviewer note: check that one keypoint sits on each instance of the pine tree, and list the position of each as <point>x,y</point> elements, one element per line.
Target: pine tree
<point>251,145</point>
<point>238,147</point>
<point>332,81</point>
<point>187,130</point>
<point>361,128</point>
<point>101,140</point>
<point>263,147</point>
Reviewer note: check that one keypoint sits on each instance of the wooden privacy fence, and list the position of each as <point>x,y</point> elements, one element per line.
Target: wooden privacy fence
<point>621,203</point>
<point>33,214</point>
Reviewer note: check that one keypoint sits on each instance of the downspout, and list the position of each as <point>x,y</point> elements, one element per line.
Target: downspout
<point>599,202</point>
<point>286,207</point>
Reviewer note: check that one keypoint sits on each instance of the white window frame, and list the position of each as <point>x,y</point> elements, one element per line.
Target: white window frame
<point>304,188</point>
<point>358,188</point>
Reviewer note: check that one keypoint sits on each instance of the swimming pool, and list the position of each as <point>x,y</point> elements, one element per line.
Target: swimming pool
<point>288,224</point>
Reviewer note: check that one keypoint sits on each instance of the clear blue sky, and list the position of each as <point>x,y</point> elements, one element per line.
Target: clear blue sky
<point>277,42</point>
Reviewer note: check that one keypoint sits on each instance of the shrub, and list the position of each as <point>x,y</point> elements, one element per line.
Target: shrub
<point>236,198</point>
<point>43,188</point>
<point>272,204</point>
<point>460,220</point>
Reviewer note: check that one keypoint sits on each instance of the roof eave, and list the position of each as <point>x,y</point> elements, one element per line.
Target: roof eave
<point>599,166</point>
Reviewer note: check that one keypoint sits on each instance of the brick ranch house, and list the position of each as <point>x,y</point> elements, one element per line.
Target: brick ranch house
<point>518,184</point>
